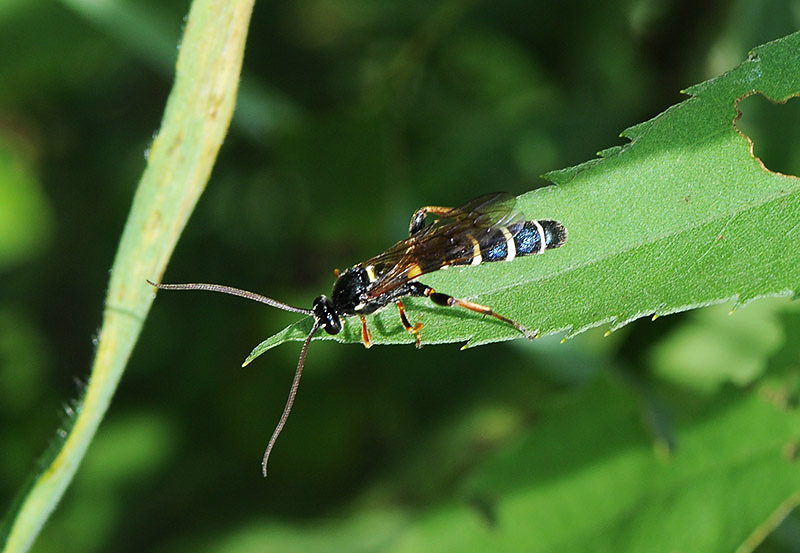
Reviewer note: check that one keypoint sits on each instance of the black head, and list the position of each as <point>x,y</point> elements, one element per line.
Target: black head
<point>327,316</point>
<point>349,291</point>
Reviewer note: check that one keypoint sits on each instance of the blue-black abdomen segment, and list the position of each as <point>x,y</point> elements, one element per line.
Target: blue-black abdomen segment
<point>494,246</point>
<point>554,234</point>
<point>528,240</point>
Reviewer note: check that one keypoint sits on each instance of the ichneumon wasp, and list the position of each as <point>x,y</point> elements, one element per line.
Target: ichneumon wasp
<point>483,230</point>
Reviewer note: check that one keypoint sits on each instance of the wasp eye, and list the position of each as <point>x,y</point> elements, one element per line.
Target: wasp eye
<point>326,313</point>
<point>333,324</point>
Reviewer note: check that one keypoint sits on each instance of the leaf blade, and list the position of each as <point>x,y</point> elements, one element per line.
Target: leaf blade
<point>682,216</point>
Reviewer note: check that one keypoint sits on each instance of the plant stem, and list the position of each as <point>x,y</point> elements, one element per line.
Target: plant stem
<point>195,122</point>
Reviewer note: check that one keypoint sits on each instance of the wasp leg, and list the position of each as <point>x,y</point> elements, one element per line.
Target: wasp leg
<point>418,219</point>
<point>419,289</point>
<point>409,328</point>
<point>366,335</point>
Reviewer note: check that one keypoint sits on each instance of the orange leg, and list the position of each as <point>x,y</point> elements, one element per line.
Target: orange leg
<point>366,335</point>
<point>488,311</point>
<point>449,301</point>
<point>409,328</point>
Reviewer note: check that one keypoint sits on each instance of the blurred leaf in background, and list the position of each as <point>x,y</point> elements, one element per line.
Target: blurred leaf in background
<point>25,219</point>
<point>352,115</point>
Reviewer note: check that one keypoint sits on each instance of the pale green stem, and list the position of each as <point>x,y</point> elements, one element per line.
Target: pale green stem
<point>195,122</point>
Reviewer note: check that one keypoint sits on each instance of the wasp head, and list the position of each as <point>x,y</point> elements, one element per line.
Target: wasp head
<point>327,316</point>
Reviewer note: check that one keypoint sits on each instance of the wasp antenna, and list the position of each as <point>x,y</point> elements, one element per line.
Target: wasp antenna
<point>233,292</point>
<point>292,394</point>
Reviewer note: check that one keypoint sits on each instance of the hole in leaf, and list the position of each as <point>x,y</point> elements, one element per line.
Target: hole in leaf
<point>774,129</point>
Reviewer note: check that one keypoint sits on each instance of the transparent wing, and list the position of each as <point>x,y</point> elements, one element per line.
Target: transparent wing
<point>447,240</point>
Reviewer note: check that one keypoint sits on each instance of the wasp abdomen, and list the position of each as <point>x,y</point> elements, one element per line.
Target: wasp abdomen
<point>528,236</point>
<point>517,239</point>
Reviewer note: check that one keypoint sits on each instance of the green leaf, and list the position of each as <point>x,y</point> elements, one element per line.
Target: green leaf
<point>713,347</point>
<point>584,477</point>
<point>708,497</point>
<point>25,218</point>
<point>682,216</point>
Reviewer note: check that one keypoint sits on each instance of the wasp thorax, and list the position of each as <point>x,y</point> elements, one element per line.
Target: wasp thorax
<point>326,313</point>
<point>349,291</point>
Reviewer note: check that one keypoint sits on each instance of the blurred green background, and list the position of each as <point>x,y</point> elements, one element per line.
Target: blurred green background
<point>352,114</point>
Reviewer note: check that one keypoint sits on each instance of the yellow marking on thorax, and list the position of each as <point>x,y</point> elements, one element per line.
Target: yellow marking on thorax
<point>370,269</point>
